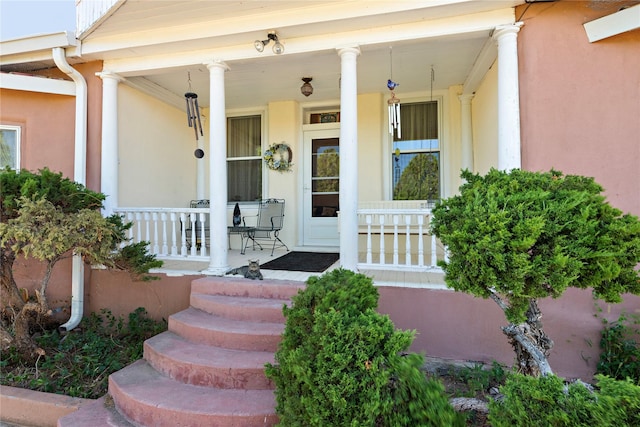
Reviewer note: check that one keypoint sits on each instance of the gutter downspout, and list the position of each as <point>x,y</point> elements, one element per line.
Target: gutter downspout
<point>79,175</point>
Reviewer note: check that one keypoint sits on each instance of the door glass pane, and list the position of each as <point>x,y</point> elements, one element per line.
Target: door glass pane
<point>325,173</point>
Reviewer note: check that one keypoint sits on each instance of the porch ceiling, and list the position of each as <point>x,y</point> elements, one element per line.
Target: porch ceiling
<point>161,42</point>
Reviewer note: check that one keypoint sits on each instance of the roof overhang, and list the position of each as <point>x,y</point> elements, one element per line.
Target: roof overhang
<point>611,25</point>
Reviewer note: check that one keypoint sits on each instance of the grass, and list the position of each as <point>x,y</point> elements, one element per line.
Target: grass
<point>78,363</point>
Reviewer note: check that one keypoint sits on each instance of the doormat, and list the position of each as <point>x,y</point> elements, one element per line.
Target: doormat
<point>312,262</point>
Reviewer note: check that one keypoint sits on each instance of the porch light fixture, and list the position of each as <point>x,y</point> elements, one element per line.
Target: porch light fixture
<point>278,48</point>
<point>193,110</point>
<point>306,88</point>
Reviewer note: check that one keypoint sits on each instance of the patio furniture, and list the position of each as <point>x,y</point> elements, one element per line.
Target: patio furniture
<point>270,219</point>
<point>245,234</point>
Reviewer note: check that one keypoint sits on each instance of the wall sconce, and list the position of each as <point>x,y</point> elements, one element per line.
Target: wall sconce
<point>278,48</point>
<point>306,88</point>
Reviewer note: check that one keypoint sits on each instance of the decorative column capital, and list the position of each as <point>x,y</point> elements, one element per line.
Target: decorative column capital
<point>351,49</point>
<point>108,75</point>
<point>505,30</point>
<point>465,98</point>
<point>215,64</point>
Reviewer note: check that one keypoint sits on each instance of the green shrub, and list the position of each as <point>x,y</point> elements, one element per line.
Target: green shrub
<point>340,362</point>
<point>79,362</point>
<point>548,401</point>
<point>620,357</point>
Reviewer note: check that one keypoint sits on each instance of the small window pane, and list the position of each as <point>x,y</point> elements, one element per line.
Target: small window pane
<point>416,156</point>
<point>9,147</point>
<point>244,161</point>
<point>244,182</point>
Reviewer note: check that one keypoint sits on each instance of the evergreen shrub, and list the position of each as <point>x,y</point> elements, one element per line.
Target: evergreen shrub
<point>548,401</point>
<point>340,363</point>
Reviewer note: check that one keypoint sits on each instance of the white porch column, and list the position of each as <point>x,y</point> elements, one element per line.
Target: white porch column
<point>349,158</point>
<point>508,97</point>
<point>109,155</point>
<point>467,131</point>
<point>218,257</point>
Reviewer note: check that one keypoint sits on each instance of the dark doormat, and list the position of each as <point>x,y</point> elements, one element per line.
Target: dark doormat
<point>312,262</point>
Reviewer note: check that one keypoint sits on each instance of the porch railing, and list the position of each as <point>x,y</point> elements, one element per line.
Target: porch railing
<point>398,238</point>
<point>392,236</point>
<point>171,232</point>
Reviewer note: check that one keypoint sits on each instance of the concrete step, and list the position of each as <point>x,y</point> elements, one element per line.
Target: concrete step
<point>101,412</point>
<point>241,308</point>
<point>239,286</point>
<point>205,365</point>
<point>204,328</point>
<point>149,398</point>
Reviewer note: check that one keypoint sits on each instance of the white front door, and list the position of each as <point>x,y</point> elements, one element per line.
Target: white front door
<point>321,185</point>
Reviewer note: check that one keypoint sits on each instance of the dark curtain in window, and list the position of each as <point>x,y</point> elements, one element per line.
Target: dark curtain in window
<point>419,121</point>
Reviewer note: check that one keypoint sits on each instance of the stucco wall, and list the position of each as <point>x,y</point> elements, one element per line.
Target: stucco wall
<point>454,325</point>
<point>580,101</point>
<point>484,113</point>
<point>48,134</point>
<point>157,167</point>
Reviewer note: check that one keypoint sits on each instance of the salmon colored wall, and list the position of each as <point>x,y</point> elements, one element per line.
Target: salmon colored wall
<point>48,125</point>
<point>580,101</point>
<point>47,133</point>
<point>454,325</point>
<point>110,289</point>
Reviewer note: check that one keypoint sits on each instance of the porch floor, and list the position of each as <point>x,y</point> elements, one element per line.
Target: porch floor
<point>381,277</point>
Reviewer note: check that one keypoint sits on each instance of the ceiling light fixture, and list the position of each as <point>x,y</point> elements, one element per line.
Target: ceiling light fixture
<point>306,89</point>
<point>278,48</point>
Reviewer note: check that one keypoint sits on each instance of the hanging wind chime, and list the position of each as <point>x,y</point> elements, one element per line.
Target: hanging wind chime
<point>393,102</point>
<point>193,116</point>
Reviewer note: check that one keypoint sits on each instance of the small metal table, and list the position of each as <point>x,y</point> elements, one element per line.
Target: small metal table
<point>245,234</point>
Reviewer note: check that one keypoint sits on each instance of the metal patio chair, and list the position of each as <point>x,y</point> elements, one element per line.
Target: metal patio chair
<point>196,233</point>
<point>269,222</point>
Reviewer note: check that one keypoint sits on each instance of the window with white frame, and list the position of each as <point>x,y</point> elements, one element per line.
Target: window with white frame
<point>244,158</point>
<point>415,157</point>
<point>9,147</point>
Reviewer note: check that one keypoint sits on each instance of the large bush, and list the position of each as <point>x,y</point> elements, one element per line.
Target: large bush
<point>519,236</point>
<point>340,363</point>
<point>548,401</point>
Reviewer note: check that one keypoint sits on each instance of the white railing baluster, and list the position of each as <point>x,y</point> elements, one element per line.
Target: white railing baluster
<point>420,241</point>
<point>183,234</point>
<point>396,219</point>
<point>138,227</point>
<point>156,248</point>
<point>369,256</point>
<point>174,246</point>
<point>192,221</point>
<point>407,246</point>
<point>165,246</point>
<point>203,236</point>
<point>434,253</point>
<point>147,233</point>
<point>382,255</point>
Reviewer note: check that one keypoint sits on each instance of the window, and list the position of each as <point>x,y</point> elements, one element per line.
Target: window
<point>244,158</point>
<point>416,156</point>
<point>9,147</point>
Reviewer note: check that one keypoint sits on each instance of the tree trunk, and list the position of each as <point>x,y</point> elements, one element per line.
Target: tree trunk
<point>12,301</point>
<point>531,344</point>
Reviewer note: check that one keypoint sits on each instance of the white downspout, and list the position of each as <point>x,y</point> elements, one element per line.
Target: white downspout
<point>79,175</point>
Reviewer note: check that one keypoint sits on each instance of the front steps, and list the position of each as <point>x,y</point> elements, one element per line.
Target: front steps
<point>208,368</point>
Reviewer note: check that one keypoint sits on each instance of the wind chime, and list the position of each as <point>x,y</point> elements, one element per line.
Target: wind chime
<point>193,111</point>
<point>393,102</point>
